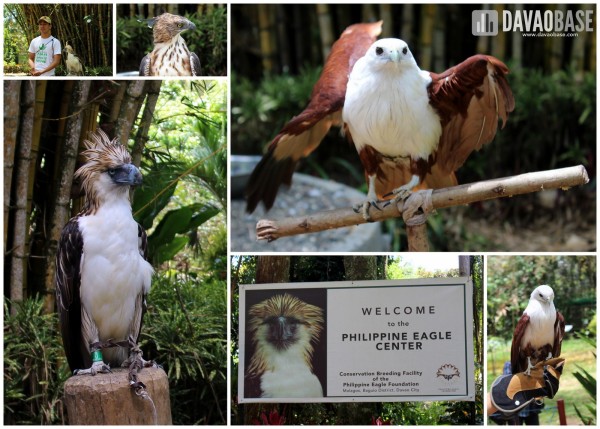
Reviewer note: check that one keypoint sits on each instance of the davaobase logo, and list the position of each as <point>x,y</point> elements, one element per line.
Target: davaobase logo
<point>534,23</point>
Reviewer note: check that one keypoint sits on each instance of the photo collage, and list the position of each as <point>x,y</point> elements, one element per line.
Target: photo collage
<point>241,214</point>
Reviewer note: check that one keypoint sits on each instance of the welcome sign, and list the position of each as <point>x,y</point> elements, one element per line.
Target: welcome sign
<point>397,340</point>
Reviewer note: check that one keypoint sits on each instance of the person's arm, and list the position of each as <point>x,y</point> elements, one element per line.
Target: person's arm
<point>511,393</point>
<point>55,62</point>
<point>32,62</point>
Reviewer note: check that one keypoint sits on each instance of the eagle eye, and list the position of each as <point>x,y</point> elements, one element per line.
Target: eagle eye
<point>379,50</point>
<point>405,50</point>
<point>180,25</point>
<point>111,171</point>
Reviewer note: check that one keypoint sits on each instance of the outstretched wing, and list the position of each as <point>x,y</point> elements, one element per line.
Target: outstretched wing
<point>470,98</point>
<point>195,64</point>
<point>300,136</point>
<point>68,265</point>
<point>145,66</point>
<point>515,350</point>
<point>559,333</point>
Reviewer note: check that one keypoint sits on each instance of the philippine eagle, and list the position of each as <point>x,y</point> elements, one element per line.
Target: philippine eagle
<point>539,332</point>
<point>410,127</point>
<point>284,330</point>
<point>102,271</point>
<point>170,56</point>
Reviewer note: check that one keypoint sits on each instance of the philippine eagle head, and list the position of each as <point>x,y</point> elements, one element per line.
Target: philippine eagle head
<point>283,323</point>
<point>107,172</point>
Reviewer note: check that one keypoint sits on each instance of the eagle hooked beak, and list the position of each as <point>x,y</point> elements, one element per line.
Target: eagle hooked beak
<point>281,332</point>
<point>127,174</point>
<point>395,56</point>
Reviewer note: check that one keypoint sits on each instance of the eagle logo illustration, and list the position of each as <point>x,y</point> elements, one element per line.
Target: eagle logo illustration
<point>448,372</point>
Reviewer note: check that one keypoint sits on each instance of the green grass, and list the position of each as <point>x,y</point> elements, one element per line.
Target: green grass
<point>577,354</point>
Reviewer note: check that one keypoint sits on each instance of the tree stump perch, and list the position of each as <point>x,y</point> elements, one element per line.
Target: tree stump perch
<point>107,399</point>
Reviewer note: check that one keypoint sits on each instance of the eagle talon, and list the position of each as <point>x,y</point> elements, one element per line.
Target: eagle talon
<point>97,367</point>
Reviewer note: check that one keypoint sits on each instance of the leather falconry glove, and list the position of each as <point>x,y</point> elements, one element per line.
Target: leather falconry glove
<point>511,393</point>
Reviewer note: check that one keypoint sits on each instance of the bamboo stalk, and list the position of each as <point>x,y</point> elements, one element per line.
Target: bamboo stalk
<point>563,178</point>
<point>18,275</point>
<point>11,128</point>
<point>61,212</point>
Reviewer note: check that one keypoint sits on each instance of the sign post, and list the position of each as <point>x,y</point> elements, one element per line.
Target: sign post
<point>363,341</point>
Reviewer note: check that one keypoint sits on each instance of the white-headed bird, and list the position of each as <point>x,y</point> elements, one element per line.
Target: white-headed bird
<point>539,333</point>
<point>74,66</point>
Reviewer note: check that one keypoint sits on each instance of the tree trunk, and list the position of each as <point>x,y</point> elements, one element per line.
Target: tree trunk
<point>61,210</point>
<point>360,267</point>
<point>273,269</point>
<point>12,88</point>
<point>141,138</point>
<point>107,399</point>
<point>132,102</point>
<point>23,161</point>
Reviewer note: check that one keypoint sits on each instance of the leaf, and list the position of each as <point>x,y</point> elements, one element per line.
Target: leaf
<point>169,250</point>
<point>174,222</point>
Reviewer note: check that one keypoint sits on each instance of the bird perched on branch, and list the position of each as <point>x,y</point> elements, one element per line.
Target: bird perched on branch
<point>410,127</point>
<point>539,332</point>
<point>74,66</point>
<point>284,330</point>
<point>170,56</point>
<point>102,271</point>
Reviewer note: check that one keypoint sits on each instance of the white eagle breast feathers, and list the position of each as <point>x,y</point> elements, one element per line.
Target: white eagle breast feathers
<point>387,104</point>
<point>113,272</point>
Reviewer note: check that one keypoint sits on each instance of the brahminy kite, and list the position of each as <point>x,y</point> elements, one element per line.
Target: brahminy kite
<point>539,333</point>
<point>410,127</point>
<point>102,269</point>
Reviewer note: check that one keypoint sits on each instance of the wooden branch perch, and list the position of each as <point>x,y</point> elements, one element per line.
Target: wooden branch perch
<point>563,178</point>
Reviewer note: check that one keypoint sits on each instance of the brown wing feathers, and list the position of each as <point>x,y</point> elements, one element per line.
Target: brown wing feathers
<point>300,136</point>
<point>515,350</point>
<point>559,333</point>
<point>469,98</point>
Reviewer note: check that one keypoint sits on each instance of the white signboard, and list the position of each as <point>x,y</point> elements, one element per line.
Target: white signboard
<point>393,340</point>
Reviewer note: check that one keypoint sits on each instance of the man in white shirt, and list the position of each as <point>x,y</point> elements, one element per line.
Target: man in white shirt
<point>44,50</point>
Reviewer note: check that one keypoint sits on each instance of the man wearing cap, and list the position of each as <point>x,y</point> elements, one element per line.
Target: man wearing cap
<point>44,50</point>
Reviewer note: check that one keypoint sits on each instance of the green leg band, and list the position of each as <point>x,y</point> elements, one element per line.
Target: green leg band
<point>97,356</point>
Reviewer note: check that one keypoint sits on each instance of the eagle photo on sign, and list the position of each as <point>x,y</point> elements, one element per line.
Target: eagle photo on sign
<point>411,128</point>
<point>284,330</point>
